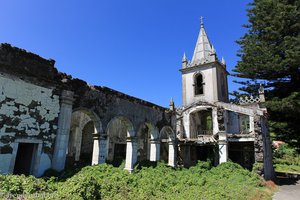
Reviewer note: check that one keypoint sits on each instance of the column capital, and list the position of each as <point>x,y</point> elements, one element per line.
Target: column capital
<point>222,137</point>
<point>67,97</point>
<point>99,135</point>
<point>131,139</point>
<point>154,141</point>
<point>96,136</point>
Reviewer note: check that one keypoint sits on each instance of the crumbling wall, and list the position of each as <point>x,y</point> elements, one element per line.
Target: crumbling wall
<point>25,64</point>
<point>30,87</point>
<point>26,111</point>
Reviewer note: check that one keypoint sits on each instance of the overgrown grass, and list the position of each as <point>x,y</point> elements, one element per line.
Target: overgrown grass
<point>149,181</point>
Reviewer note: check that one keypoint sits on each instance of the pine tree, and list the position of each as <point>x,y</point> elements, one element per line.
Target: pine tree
<point>270,53</point>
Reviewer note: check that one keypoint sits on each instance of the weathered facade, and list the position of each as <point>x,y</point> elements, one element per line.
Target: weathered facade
<point>50,120</point>
<point>47,118</point>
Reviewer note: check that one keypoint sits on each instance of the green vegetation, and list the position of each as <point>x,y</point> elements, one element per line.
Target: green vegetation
<point>270,54</point>
<point>286,159</point>
<point>149,181</point>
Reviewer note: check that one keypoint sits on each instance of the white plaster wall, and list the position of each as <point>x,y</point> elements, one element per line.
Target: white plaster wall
<point>22,94</point>
<point>30,110</point>
<point>5,163</point>
<point>210,87</point>
<point>45,163</point>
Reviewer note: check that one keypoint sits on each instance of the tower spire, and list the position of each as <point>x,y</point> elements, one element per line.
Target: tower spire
<point>172,104</point>
<point>184,57</point>
<point>184,61</point>
<point>204,52</point>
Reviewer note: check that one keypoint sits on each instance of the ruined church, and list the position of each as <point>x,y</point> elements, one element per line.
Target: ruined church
<point>49,120</point>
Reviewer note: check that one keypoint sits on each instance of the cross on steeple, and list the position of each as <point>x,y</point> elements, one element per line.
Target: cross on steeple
<point>201,21</point>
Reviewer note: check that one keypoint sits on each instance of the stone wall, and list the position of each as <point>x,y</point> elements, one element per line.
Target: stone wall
<point>26,111</point>
<point>258,143</point>
<point>17,61</point>
<point>221,121</point>
<point>107,104</point>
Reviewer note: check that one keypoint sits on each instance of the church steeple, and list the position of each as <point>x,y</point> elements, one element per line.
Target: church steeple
<point>205,77</point>
<point>204,51</point>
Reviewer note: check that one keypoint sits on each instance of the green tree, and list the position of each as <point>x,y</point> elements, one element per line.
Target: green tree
<point>270,53</point>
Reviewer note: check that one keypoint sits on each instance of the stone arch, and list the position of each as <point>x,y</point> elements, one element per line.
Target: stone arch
<point>147,135</point>
<point>126,122</point>
<point>84,125</point>
<point>121,142</point>
<point>168,145</point>
<point>93,116</point>
<point>201,121</point>
<point>167,133</point>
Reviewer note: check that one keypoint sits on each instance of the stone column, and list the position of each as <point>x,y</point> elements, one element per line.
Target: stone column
<point>186,124</point>
<point>131,153</point>
<point>63,131</point>
<point>269,173</point>
<point>172,154</point>
<point>99,148</point>
<point>154,150</point>
<point>215,120</point>
<point>96,148</point>
<point>251,124</point>
<point>223,147</point>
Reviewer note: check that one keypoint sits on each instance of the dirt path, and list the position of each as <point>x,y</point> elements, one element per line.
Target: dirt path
<point>288,190</point>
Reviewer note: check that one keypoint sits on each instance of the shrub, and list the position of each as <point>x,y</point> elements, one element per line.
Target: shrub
<point>80,187</point>
<point>149,181</point>
<point>15,184</point>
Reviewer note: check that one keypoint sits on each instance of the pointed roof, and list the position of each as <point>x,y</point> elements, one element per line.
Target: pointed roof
<point>184,59</point>
<point>204,51</point>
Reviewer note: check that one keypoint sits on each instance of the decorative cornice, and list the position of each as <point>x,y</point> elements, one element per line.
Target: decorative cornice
<point>210,64</point>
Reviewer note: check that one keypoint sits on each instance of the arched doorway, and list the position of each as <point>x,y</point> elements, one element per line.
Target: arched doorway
<point>120,134</point>
<point>167,146</point>
<point>201,123</point>
<point>84,124</point>
<point>143,137</point>
<point>147,137</point>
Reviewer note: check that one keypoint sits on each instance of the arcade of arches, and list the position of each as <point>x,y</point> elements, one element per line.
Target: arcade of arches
<point>117,142</point>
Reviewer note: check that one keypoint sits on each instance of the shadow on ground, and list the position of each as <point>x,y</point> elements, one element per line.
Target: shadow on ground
<point>286,178</point>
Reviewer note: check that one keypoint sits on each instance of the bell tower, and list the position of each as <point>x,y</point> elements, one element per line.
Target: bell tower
<point>205,77</point>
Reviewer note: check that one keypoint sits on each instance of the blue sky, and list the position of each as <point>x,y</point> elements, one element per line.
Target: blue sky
<point>132,46</point>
